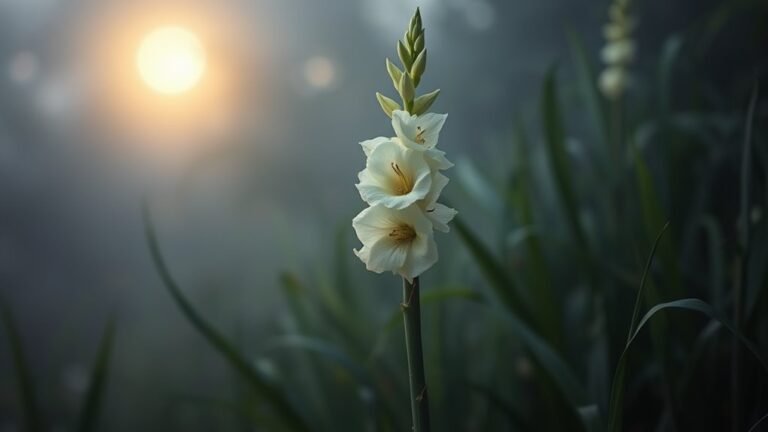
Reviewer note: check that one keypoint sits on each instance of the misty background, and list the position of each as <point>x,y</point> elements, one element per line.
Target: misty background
<point>252,176</point>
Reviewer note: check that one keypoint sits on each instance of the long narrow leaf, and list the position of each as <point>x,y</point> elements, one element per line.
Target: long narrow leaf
<point>279,402</point>
<point>617,386</point>
<point>558,156</point>
<point>89,415</point>
<point>690,304</point>
<point>24,378</point>
<point>503,286</point>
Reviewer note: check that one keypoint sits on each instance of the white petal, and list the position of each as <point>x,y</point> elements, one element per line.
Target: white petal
<point>371,144</point>
<point>387,255</point>
<point>421,256</point>
<point>440,215</point>
<point>418,132</point>
<point>439,182</point>
<point>437,160</point>
<point>381,184</point>
<point>372,224</point>
<point>364,254</point>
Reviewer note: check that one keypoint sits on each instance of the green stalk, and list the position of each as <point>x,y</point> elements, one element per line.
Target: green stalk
<point>411,307</point>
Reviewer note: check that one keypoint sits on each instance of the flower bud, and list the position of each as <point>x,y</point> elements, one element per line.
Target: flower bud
<point>394,73</point>
<point>422,103</point>
<point>419,65</point>
<point>387,104</point>
<point>407,90</point>
<point>405,55</point>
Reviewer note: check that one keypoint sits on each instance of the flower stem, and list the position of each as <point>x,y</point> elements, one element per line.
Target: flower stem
<point>411,308</point>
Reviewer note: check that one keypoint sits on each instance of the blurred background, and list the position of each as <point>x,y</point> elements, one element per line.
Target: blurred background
<point>249,163</point>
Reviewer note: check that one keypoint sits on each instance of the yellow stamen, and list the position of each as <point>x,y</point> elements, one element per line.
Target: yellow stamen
<point>420,135</point>
<point>402,234</point>
<point>404,184</point>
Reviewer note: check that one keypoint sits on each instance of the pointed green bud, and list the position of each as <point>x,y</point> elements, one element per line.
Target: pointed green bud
<point>409,37</point>
<point>423,102</point>
<point>413,27</point>
<point>418,45</point>
<point>419,65</point>
<point>405,55</point>
<point>387,104</point>
<point>407,90</point>
<point>395,73</point>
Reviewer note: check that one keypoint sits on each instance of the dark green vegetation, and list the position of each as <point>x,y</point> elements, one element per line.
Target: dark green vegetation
<point>608,271</point>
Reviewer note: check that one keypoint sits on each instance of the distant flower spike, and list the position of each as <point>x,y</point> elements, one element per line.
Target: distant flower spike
<point>618,52</point>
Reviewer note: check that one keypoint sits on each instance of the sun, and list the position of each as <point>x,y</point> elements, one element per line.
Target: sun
<point>171,60</point>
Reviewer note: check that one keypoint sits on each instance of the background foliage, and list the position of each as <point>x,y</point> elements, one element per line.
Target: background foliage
<point>607,271</point>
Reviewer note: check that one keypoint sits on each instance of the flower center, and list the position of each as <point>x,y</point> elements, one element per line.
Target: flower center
<point>420,135</point>
<point>403,184</point>
<point>402,234</point>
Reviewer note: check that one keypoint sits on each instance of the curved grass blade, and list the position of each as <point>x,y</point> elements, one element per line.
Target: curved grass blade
<point>617,386</point>
<point>691,304</point>
<point>24,378</point>
<point>504,287</point>
<point>279,402</point>
<point>757,423</point>
<point>89,415</point>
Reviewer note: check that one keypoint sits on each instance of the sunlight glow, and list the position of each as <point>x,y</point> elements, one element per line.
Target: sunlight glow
<point>171,60</point>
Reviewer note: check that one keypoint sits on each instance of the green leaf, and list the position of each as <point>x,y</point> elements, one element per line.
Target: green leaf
<point>503,286</point>
<point>538,280</point>
<point>89,415</point>
<point>23,376</point>
<point>691,304</point>
<point>236,360</point>
<point>653,220</point>
<point>587,80</point>
<point>422,103</point>
<point>617,386</point>
<point>325,350</point>
<point>558,158</point>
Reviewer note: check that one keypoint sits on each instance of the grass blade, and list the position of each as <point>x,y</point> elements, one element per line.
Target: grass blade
<point>24,378</point>
<point>588,86</point>
<point>282,406</point>
<point>558,156</point>
<point>503,286</point>
<point>617,386</point>
<point>89,415</point>
<point>690,304</point>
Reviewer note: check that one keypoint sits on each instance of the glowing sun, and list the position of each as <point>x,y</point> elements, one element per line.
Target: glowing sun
<point>171,60</point>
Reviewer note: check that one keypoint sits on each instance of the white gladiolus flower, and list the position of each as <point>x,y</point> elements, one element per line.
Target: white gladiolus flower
<point>394,176</point>
<point>418,132</point>
<point>437,213</point>
<point>434,157</point>
<point>400,241</point>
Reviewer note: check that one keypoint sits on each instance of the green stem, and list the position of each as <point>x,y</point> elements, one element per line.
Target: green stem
<point>412,322</point>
